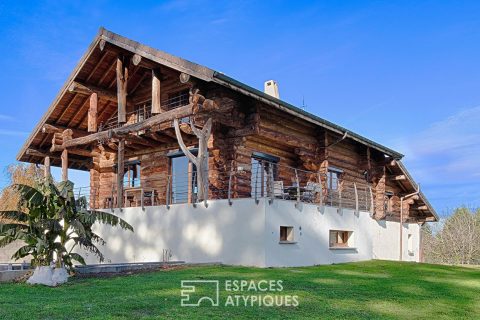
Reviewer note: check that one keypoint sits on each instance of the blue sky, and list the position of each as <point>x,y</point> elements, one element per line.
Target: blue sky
<point>405,74</point>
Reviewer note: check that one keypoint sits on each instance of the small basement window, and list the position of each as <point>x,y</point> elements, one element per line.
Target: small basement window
<point>341,239</point>
<point>286,234</point>
<point>410,244</point>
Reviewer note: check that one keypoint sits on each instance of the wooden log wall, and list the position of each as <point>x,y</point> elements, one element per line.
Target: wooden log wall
<point>244,126</point>
<point>103,179</point>
<point>154,173</point>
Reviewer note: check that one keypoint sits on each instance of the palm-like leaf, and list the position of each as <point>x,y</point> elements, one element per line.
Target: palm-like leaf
<point>22,252</point>
<point>110,219</point>
<point>77,257</point>
<point>30,194</point>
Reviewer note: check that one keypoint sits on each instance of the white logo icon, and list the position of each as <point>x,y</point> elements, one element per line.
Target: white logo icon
<point>189,287</point>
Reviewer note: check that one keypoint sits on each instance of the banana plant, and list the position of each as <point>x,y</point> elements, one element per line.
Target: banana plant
<point>52,223</point>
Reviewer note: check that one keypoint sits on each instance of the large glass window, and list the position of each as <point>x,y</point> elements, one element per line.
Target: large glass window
<point>184,182</point>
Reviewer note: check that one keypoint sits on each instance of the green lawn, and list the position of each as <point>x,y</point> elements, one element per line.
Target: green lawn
<point>366,290</point>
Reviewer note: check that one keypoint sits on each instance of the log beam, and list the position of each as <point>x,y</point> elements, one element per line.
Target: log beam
<point>170,115</point>
<point>420,208</point>
<point>87,89</point>
<point>93,113</point>
<point>122,80</point>
<point>48,128</point>
<point>136,59</point>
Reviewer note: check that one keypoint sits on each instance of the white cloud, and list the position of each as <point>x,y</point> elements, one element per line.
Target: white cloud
<point>445,157</point>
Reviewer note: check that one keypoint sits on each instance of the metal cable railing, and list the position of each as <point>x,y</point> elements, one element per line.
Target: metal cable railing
<point>143,112</point>
<point>255,180</point>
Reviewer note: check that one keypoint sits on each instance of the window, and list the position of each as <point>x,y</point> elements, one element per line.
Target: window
<point>388,201</point>
<point>264,170</point>
<point>340,239</point>
<point>410,244</point>
<point>286,234</point>
<point>333,178</point>
<point>178,99</point>
<point>131,176</point>
<point>184,174</point>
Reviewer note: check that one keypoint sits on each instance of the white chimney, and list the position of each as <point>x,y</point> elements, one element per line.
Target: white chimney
<point>271,88</point>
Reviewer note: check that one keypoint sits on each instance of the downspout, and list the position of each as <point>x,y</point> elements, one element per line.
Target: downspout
<point>401,219</point>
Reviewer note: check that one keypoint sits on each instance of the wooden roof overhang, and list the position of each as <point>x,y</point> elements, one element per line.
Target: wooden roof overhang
<point>421,209</point>
<point>96,69</point>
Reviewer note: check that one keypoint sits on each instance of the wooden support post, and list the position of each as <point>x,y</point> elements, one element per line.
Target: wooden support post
<point>156,93</point>
<point>201,160</point>
<point>92,113</point>
<point>120,168</point>
<point>122,79</point>
<point>356,198</point>
<point>64,165</point>
<point>46,164</point>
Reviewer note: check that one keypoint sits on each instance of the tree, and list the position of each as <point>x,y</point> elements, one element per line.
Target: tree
<point>457,241</point>
<point>18,173</point>
<point>52,224</point>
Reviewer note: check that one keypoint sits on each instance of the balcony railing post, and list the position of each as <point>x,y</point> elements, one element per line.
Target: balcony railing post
<point>371,201</point>
<point>167,200</point>
<point>205,187</point>
<point>112,199</point>
<point>194,194</point>
<point>356,198</point>
<point>298,186</point>
<point>270,183</point>
<point>230,185</point>
<point>340,198</point>
<point>256,184</point>
<point>320,205</point>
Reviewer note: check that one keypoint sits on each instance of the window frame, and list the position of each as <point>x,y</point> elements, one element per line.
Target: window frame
<point>338,175</point>
<point>286,235</point>
<point>345,235</point>
<point>132,168</point>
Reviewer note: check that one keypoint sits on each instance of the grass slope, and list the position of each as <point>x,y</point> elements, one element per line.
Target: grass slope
<point>364,290</point>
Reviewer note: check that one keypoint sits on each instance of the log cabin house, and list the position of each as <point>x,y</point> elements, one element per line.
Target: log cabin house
<point>210,169</point>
